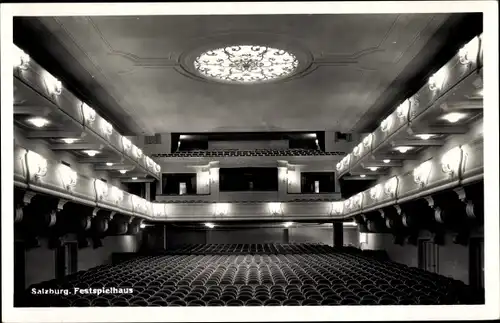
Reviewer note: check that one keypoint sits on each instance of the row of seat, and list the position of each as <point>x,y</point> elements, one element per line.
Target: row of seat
<point>340,277</point>
<point>257,152</point>
<point>265,248</point>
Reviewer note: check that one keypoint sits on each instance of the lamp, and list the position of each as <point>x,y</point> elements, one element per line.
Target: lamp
<point>403,149</point>
<point>375,192</point>
<point>453,117</point>
<point>88,113</point>
<point>367,141</point>
<point>275,208</point>
<point>38,122</point>
<point>390,186</point>
<point>53,84</point>
<point>106,128</point>
<point>117,194</point>
<point>450,162</point>
<point>436,81</point>
<point>469,52</point>
<point>402,110</point>
<point>210,225</point>
<point>221,209</point>
<point>21,59</point>
<point>37,165</point>
<point>337,208</point>
<point>422,172</point>
<point>69,176</point>
<point>101,189</point>
<point>127,144</point>
<point>386,124</point>
<point>287,224</point>
<point>91,153</point>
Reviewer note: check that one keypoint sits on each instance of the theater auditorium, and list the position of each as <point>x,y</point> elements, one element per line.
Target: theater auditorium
<point>248,160</point>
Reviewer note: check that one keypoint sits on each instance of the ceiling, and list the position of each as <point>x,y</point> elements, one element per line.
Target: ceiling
<point>137,72</point>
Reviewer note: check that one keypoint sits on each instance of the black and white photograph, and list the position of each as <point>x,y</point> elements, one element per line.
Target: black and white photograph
<point>321,161</point>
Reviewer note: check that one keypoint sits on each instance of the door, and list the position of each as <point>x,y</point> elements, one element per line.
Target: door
<point>428,255</point>
<point>476,262</point>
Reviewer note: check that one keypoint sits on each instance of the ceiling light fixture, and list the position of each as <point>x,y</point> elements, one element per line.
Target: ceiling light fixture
<point>362,175</point>
<point>246,64</point>
<point>454,117</point>
<point>38,122</point>
<point>134,178</point>
<point>386,161</point>
<point>91,153</point>
<point>403,149</point>
<point>425,136</point>
<point>373,168</point>
<point>123,171</point>
<point>209,225</point>
<point>287,224</point>
<point>69,140</point>
<point>109,164</point>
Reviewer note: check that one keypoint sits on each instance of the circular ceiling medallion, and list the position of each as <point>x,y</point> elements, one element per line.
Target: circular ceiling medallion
<point>246,64</point>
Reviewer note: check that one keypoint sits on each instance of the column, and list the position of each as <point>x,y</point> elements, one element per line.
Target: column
<point>282,179</point>
<point>338,234</point>
<point>147,195</point>
<point>286,235</point>
<point>214,180</point>
<point>203,181</point>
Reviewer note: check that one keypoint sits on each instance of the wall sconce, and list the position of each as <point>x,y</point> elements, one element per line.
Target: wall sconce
<point>367,141</point>
<point>221,209</point>
<point>346,160</point>
<point>21,59</point>
<point>158,209</point>
<point>53,84</point>
<point>69,176</point>
<point>116,194</point>
<point>450,162</point>
<point>137,152</point>
<point>37,165</point>
<point>436,81</point>
<point>88,113</point>
<point>348,204</point>
<point>357,150</point>
<point>375,192</point>
<point>106,128</point>
<point>422,172</point>
<point>101,189</point>
<point>275,208</point>
<point>127,144</point>
<point>469,52</point>
<point>386,124</point>
<point>390,186</point>
<point>337,208</point>
<point>358,200</point>
<point>402,110</point>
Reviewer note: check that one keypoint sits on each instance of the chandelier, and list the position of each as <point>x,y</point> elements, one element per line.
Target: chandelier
<point>246,64</point>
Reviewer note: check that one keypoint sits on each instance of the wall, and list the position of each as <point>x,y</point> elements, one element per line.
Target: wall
<point>40,262</point>
<point>453,258</point>
<point>297,234</point>
<point>248,145</point>
<point>351,236</point>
